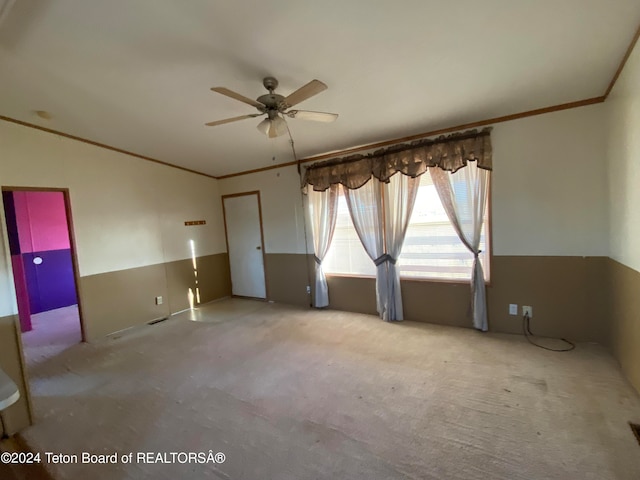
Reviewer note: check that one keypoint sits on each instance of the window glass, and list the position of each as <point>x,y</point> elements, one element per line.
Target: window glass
<point>431,249</point>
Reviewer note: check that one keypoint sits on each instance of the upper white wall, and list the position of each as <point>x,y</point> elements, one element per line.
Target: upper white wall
<point>549,189</point>
<point>549,184</point>
<point>127,212</point>
<point>623,156</point>
<point>282,211</point>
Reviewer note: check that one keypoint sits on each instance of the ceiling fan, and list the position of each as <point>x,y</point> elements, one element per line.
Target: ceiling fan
<point>275,106</point>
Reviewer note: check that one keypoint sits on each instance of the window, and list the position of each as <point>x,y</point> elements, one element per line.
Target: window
<point>431,249</point>
<point>346,254</point>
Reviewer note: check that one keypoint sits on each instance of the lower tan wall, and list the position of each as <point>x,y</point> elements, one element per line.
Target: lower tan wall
<point>117,300</point>
<point>566,294</point>
<point>288,276</point>
<point>214,280</point>
<point>563,292</point>
<point>352,294</point>
<point>580,298</point>
<point>114,301</point>
<point>17,416</point>
<point>441,303</point>
<point>623,285</point>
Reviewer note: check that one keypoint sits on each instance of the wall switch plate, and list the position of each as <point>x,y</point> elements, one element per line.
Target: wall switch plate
<point>513,309</point>
<point>158,300</point>
<point>308,290</point>
<point>527,310</point>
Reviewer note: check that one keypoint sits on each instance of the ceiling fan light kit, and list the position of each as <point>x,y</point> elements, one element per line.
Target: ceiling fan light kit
<point>276,106</point>
<point>273,127</point>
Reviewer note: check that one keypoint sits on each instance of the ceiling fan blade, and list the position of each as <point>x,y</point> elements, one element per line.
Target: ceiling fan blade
<point>233,119</point>
<point>312,88</point>
<point>315,116</point>
<point>237,96</point>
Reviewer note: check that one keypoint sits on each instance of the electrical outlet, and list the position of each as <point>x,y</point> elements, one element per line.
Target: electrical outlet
<point>513,309</point>
<point>308,290</point>
<point>158,300</point>
<point>527,310</point>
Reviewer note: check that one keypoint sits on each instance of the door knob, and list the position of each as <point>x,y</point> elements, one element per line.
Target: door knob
<point>258,248</point>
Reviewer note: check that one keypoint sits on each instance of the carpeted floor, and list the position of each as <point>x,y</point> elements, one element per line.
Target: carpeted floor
<point>293,394</point>
<point>53,332</point>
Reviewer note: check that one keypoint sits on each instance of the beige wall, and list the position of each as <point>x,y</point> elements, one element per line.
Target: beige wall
<point>282,210</point>
<point>287,273</point>
<point>552,231</point>
<point>623,310</point>
<point>549,193</point>
<point>128,216</point>
<point>623,156</point>
<point>549,187</point>
<point>623,164</point>
<point>128,213</point>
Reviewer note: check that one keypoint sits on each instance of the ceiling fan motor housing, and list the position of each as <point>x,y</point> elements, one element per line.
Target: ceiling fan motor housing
<point>271,101</point>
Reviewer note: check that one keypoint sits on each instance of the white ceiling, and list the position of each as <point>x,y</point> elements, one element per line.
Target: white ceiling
<point>136,74</point>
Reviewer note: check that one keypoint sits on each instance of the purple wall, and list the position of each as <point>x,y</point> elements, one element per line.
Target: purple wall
<point>37,227</point>
<point>50,284</point>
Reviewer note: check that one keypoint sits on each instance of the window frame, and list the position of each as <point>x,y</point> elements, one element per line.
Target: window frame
<point>452,281</point>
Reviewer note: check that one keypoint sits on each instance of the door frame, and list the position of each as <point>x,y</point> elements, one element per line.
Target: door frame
<point>226,238</point>
<point>72,241</point>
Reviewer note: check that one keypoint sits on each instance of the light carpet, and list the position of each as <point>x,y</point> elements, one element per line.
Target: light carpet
<point>52,333</point>
<point>288,393</point>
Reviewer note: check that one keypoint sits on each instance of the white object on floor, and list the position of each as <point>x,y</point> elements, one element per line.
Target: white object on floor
<point>9,393</point>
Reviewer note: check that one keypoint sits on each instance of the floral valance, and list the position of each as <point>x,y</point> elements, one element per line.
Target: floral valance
<point>449,153</point>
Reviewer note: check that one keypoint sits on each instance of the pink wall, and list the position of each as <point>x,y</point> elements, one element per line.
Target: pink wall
<point>22,293</point>
<point>42,221</point>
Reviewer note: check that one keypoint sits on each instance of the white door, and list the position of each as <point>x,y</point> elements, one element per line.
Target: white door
<point>244,237</point>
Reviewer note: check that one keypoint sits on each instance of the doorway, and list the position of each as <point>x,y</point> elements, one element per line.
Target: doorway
<point>245,244</point>
<point>40,234</point>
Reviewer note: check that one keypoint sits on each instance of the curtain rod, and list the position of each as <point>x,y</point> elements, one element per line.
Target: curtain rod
<point>401,147</point>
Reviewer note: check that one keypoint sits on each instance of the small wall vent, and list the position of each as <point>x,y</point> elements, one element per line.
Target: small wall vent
<point>157,320</point>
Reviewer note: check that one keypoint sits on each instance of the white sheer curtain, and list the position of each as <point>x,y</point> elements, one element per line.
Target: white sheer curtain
<point>323,210</point>
<point>399,198</point>
<point>464,197</point>
<point>381,221</point>
<point>365,208</point>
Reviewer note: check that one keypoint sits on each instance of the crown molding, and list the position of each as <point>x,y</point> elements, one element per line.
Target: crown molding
<point>505,118</point>
<point>464,126</point>
<point>101,145</point>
